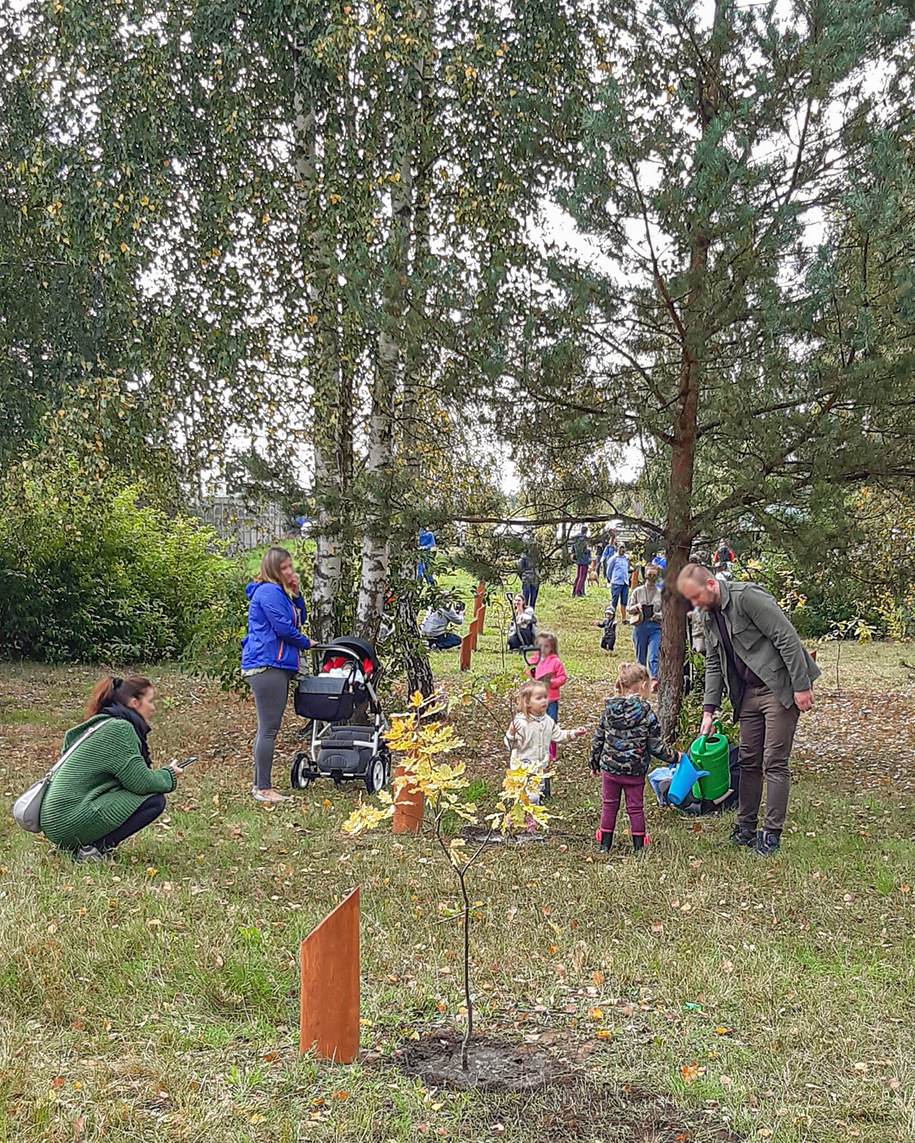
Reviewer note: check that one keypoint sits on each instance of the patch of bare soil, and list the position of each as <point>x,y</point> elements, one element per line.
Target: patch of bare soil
<point>528,1092</point>
<point>492,1064</point>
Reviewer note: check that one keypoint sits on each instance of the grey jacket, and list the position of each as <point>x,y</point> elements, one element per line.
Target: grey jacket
<point>762,636</point>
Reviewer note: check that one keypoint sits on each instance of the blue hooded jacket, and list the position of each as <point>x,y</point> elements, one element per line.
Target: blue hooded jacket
<point>274,638</point>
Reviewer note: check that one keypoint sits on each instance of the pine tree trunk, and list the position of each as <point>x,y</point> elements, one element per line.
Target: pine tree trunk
<point>680,528</point>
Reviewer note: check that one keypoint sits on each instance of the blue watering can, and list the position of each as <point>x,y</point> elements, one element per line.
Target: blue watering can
<point>685,776</point>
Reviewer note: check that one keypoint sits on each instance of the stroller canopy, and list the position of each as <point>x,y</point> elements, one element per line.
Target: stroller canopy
<point>354,649</point>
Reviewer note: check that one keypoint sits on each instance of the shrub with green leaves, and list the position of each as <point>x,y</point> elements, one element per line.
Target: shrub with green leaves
<point>90,571</point>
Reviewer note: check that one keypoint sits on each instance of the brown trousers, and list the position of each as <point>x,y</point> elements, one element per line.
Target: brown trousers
<point>766,736</point>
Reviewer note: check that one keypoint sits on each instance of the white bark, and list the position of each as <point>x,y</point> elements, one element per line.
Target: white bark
<point>324,372</point>
<point>376,543</point>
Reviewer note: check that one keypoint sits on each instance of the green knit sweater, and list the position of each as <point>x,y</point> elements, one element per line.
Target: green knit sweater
<point>100,785</point>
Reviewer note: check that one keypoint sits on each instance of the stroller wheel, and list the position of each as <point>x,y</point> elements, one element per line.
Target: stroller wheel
<point>297,779</point>
<point>375,775</point>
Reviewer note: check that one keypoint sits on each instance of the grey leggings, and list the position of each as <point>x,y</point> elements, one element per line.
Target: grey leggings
<point>271,690</point>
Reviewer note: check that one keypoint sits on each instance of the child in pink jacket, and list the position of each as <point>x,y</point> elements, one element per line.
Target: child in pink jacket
<point>548,668</point>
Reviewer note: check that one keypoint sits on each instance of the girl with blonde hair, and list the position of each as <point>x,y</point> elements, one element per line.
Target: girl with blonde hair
<point>628,736</point>
<point>531,733</point>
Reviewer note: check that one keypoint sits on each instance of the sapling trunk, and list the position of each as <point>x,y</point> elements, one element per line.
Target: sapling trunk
<point>465,1045</point>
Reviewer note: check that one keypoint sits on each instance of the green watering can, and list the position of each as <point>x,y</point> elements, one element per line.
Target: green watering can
<point>710,752</point>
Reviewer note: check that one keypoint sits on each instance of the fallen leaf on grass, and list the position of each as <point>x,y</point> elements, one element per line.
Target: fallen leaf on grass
<point>692,1071</point>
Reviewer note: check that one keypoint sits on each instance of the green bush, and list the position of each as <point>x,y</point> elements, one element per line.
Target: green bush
<point>818,598</point>
<point>91,572</point>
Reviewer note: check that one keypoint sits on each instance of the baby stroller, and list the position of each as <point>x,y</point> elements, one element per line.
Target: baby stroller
<point>343,687</point>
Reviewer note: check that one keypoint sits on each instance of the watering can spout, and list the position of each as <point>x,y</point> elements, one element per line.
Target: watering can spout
<point>683,780</point>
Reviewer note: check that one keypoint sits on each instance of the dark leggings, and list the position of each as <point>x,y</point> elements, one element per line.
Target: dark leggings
<point>142,816</point>
<point>271,690</point>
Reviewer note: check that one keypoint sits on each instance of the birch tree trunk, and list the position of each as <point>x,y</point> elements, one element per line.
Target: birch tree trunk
<point>399,349</point>
<point>325,374</point>
<point>376,542</point>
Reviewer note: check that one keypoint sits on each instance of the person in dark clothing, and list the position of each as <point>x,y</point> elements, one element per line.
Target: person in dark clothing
<point>581,554</point>
<point>530,579</point>
<point>752,649</point>
<point>628,736</point>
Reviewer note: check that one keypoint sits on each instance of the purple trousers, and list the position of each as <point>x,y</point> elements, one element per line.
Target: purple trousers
<point>581,578</point>
<point>613,787</point>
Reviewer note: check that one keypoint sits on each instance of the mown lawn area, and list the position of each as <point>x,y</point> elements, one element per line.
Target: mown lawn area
<point>696,995</point>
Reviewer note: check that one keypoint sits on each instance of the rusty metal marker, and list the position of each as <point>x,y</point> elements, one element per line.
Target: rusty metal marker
<point>329,997</point>
<point>408,805</point>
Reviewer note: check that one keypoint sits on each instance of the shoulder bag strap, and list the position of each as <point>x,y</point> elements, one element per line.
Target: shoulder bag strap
<point>66,754</point>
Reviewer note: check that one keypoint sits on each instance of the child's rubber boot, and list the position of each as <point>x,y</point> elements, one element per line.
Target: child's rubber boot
<point>604,840</point>
<point>639,841</point>
<point>545,790</point>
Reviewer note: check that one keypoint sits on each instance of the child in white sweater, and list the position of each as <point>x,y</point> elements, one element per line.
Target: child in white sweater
<point>529,736</point>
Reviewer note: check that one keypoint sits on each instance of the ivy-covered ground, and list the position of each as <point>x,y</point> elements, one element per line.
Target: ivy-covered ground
<point>699,994</point>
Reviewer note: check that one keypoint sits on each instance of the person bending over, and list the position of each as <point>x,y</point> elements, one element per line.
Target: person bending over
<point>752,649</point>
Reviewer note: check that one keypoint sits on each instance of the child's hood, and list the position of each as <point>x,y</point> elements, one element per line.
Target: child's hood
<point>626,711</point>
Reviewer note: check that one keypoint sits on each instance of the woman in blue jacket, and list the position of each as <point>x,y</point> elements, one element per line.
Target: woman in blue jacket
<point>270,657</point>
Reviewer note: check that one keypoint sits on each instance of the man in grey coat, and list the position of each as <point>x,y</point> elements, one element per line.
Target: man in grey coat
<point>752,649</point>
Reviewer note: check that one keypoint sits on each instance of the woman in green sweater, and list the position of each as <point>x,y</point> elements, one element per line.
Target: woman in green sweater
<point>106,790</point>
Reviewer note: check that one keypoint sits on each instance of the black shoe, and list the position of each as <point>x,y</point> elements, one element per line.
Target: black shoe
<point>742,837</point>
<point>766,844</point>
<point>638,842</point>
<point>606,840</point>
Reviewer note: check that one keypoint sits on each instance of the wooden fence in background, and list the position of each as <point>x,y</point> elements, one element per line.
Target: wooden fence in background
<point>245,526</point>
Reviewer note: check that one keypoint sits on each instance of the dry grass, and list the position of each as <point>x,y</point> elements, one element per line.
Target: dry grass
<point>698,994</point>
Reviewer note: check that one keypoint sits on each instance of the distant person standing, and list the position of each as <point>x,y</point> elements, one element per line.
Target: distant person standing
<point>603,541</point>
<point>645,614</point>
<point>618,578</point>
<point>724,557</point>
<point>607,555</point>
<point>752,649</point>
<point>426,548</point>
<point>581,556</point>
<point>530,578</point>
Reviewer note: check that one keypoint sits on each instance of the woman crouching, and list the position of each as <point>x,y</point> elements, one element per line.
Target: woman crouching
<point>106,790</point>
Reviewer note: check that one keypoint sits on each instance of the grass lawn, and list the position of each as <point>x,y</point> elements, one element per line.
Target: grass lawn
<point>696,995</point>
